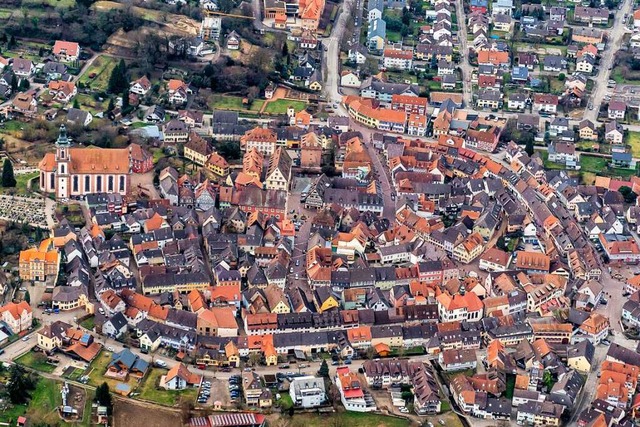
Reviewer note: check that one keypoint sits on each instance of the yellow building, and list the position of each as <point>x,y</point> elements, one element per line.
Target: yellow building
<point>232,353</point>
<point>37,264</point>
<point>270,354</point>
<point>217,165</point>
<point>197,149</point>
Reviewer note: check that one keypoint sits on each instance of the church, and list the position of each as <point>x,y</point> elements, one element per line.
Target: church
<point>78,171</point>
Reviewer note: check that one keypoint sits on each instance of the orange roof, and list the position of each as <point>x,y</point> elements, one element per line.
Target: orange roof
<point>398,53</point>
<point>91,161</point>
<point>450,141</point>
<point>469,300</point>
<point>303,117</point>
<point>175,84</point>
<point>532,260</point>
<point>494,57</point>
<point>359,334</point>
<point>154,223</point>
<point>70,48</point>
<point>409,100</point>
<point>196,300</point>
<point>225,317</point>
<point>365,108</point>
<point>313,10</point>
<point>62,86</point>
<point>636,14</point>
<point>16,310</point>
<point>46,252</point>
<point>381,348</point>
<point>227,293</point>
<point>216,159</point>
<point>181,371</point>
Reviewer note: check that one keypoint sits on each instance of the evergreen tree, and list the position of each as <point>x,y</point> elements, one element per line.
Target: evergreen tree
<point>103,396</point>
<point>8,180</point>
<point>19,385</point>
<point>125,101</point>
<point>111,105</point>
<point>14,82</point>
<point>529,147</point>
<point>324,369</point>
<point>27,297</point>
<point>76,103</point>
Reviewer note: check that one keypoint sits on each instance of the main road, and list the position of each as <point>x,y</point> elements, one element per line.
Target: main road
<point>465,66</point>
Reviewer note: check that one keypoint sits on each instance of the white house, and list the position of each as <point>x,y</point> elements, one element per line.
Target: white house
<point>349,79</point>
<point>307,391</point>
<point>116,326</point>
<point>179,377</point>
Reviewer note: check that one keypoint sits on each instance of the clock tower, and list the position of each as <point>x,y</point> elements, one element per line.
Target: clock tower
<point>62,164</point>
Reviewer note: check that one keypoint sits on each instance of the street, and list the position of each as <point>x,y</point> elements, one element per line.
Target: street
<point>465,67</point>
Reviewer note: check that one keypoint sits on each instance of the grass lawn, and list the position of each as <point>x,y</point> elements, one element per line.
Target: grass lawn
<point>547,163</point>
<point>21,184</point>
<point>285,401</point>
<point>150,390</point>
<point>37,361</point>
<point>634,142</point>
<point>10,415</point>
<point>280,106</point>
<point>228,102</point>
<point>86,415</point>
<point>350,419</point>
<point>592,163</point>
<point>102,67</point>
<point>44,401</point>
<point>75,374</point>
<point>158,153</point>
<point>5,14</point>
<point>91,104</point>
<point>138,125</point>
<point>89,323</point>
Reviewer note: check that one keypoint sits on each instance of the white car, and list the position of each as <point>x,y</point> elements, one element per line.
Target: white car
<point>110,349</point>
<point>404,410</point>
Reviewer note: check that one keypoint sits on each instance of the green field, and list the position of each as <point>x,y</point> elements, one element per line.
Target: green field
<point>102,67</point>
<point>149,390</point>
<point>53,3</point>
<point>280,106</point>
<point>37,361</point>
<point>634,142</point>
<point>233,103</point>
<point>593,164</point>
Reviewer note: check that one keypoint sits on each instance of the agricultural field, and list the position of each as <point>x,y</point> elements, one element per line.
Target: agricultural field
<point>97,75</point>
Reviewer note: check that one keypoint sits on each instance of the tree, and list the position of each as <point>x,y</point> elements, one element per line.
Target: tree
<point>529,147</point>
<point>27,297</point>
<point>76,103</point>
<point>629,196</point>
<point>324,369</point>
<point>118,78</point>
<point>561,77</point>
<point>14,82</point>
<point>8,180</point>
<point>103,397</point>
<point>19,385</point>
<point>547,379</point>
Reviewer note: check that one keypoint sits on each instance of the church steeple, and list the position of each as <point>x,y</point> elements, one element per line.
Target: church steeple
<point>63,140</point>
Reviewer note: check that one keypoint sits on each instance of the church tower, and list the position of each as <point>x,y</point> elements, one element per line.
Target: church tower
<point>62,163</point>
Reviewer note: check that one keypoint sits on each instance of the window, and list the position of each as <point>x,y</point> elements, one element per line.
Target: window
<point>42,179</point>
<point>99,184</point>
<point>52,180</point>
<point>122,186</point>
<point>110,183</point>
<point>87,184</point>
<point>62,168</point>
<point>75,183</point>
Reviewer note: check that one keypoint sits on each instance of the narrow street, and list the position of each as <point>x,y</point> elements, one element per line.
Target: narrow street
<point>465,67</point>
<point>332,56</point>
<point>614,40</point>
